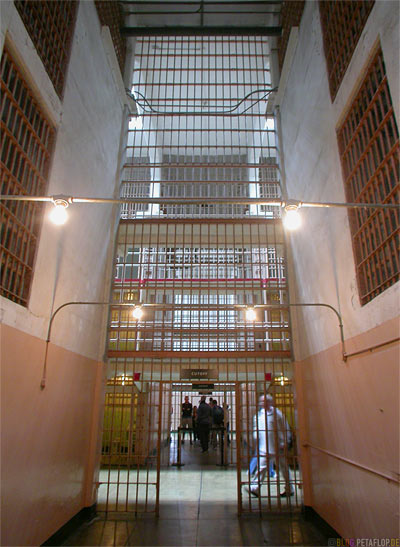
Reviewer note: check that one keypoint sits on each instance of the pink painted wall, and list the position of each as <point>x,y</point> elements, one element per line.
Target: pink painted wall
<point>47,436</point>
<point>352,410</point>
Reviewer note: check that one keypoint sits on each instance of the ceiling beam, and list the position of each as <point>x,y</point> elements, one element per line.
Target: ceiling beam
<point>199,2</point>
<point>201,31</point>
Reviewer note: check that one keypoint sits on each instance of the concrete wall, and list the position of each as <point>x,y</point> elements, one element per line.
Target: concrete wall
<point>348,409</point>
<point>50,435</point>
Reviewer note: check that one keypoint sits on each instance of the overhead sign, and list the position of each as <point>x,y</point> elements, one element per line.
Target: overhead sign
<point>201,387</point>
<point>199,373</point>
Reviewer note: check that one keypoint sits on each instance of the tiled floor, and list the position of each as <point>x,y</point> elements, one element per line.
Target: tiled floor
<point>193,530</point>
<point>198,508</point>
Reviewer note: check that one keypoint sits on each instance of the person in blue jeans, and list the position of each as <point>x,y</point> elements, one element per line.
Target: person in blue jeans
<point>253,467</point>
<point>271,433</point>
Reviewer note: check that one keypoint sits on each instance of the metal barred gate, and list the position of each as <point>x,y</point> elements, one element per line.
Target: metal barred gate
<point>201,245</point>
<point>141,441</point>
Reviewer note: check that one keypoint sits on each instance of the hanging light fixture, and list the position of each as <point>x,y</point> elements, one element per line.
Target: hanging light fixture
<point>137,312</point>
<point>292,218</point>
<point>59,214</point>
<point>251,314</point>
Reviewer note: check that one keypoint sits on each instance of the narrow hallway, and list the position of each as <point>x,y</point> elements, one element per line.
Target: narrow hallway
<point>199,198</point>
<point>198,507</point>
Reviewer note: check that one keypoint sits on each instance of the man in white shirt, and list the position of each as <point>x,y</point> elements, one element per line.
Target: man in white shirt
<point>271,433</point>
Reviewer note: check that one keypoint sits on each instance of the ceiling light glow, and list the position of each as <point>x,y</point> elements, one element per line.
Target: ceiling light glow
<point>59,214</point>
<point>251,314</point>
<point>292,218</point>
<point>137,312</point>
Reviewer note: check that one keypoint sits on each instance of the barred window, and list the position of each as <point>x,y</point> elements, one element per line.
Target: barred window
<point>291,12</point>
<point>369,149</point>
<point>26,145</point>
<point>342,24</point>
<point>51,25</point>
<point>111,15</point>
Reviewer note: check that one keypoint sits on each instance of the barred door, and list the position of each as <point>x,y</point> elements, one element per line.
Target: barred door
<point>200,244</point>
<point>135,445</point>
<point>264,474</point>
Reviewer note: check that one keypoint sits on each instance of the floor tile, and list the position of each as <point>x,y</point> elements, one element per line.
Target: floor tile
<point>216,532</point>
<point>102,533</point>
<point>166,532</point>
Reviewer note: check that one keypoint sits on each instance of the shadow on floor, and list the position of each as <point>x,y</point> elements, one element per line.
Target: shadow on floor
<point>190,529</point>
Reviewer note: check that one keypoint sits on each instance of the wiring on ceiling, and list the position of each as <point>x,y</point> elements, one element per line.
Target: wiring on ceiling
<point>147,107</point>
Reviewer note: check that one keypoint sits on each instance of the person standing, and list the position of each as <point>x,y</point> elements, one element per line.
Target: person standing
<point>203,423</point>
<point>194,423</point>
<point>217,424</point>
<point>186,418</point>
<point>227,412</point>
<point>271,432</point>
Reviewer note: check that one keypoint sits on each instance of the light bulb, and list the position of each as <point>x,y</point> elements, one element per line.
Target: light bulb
<point>292,218</point>
<point>251,314</point>
<point>59,214</point>
<point>137,312</point>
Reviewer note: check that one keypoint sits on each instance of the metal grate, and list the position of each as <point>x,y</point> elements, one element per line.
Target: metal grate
<point>369,149</point>
<point>134,423</point>
<point>26,147</point>
<point>194,275</point>
<point>190,275</point>
<point>342,24</point>
<point>50,26</point>
<point>201,126</point>
<point>201,134</point>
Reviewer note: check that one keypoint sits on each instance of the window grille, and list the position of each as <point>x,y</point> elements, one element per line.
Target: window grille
<point>369,147</point>
<point>291,13</point>
<point>201,138</point>
<point>50,26</point>
<point>269,186</point>
<point>216,172</point>
<point>111,15</point>
<point>199,283</point>
<point>27,141</point>
<point>135,184</point>
<point>342,24</point>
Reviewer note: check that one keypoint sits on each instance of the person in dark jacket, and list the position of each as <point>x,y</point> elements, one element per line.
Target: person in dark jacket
<point>186,418</point>
<point>217,434</point>
<point>204,418</point>
<point>194,423</point>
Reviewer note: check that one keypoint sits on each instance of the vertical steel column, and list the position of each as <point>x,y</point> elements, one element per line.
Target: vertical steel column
<point>239,447</point>
<point>157,508</point>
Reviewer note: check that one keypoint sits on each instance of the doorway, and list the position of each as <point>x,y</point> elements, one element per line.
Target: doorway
<point>146,468</point>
